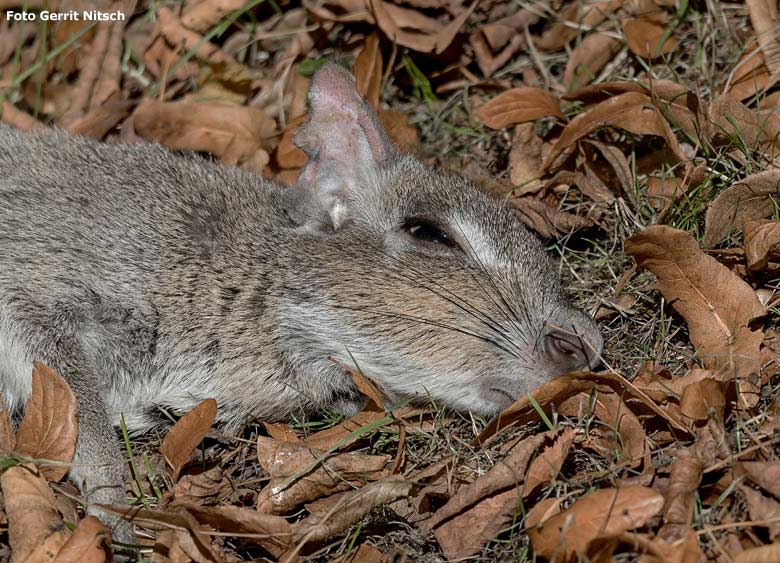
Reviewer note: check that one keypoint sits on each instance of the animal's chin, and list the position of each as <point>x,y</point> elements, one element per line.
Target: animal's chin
<point>493,400</point>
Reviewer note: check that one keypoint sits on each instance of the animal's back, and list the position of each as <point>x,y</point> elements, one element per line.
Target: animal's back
<point>92,234</point>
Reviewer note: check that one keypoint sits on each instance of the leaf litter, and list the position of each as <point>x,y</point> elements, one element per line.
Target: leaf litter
<point>669,454</point>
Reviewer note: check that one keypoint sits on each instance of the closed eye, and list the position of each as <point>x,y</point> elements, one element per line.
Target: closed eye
<point>427,231</point>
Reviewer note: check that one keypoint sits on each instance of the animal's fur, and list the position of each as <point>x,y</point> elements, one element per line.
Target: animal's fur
<point>149,279</point>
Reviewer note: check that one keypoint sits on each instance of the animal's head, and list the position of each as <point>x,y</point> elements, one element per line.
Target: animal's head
<point>435,288</point>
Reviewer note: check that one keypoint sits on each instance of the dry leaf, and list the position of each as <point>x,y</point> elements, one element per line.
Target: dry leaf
<point>548,221</point>
<point>90,543</point>
<point>765,474</point>
<point>588,58</point>
<point>631,111</point>
<point>186,434</point>
<point>764,17</point>
<point>715,303</point>
<point>351,507</point>
<point>702,399</point>
<point>546,466</point>
<point>179,36</point>
<point>7,434</point>
<point>272,533</point>
<point>200,15</point>
<point>730,119</point>
<point>749,199</point>
<point>48,430</point>
<point>525,159</point>
<point>300,474</point>
<point>644,36</point>
<point>35,529</point>
<point>412,29</point>
<point>366,553</point>
<point>762,554</point>
<point>368,71</point>
<point>762,238</point>
<point>236,134</point>
<point>518,105</point>
<point>763,508</point>
<point>602,513</point>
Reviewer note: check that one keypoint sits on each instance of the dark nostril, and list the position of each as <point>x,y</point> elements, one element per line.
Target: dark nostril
<point>568,350</point>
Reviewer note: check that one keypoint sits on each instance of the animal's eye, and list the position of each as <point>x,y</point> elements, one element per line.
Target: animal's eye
<point>427,231</point>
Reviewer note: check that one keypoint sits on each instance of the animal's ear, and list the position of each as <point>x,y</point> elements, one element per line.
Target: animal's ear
<point>344,141</point>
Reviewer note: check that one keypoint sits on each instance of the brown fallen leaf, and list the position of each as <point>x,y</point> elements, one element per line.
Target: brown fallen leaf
<point>300,474</point>
<point>507,473</point>
<point>48,430</point>
<point>750,76</point>
<point>351,508</point>
<point>685,476</point>
<point>762,238</point>
<point>18,118</point>
<point>702,399</point>
<point>729,119</point>
<point>207,488</point>
<point>272,533</point>
<point>762,508</point>
<point>35,528</point>
<point>575,17</point>
<point>761,554</point>
<point>7,434</point>
<point>765,474</point>
<point>496,42</point>
<point>366,553</point>
<point>749,199</point>
<point>644,36</point>
<point>399,128</point>
<point>548,221</point>
<point>90,543</point>
<point>631,111</point>
<point>177,35</point>
<point>519,105</point>
<point>716,304</point>
<point>601,514</point>
<point>412,29</point>
<point>629,443</point>
<point>200,15</point>
<point>186,434</point>
<point>588,58</point>
<point>368,71</point>
<point>235,134</point>
<point>764,17</point>
<point>525,159</point>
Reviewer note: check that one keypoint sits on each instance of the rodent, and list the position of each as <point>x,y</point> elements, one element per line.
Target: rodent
<point>149,279</point>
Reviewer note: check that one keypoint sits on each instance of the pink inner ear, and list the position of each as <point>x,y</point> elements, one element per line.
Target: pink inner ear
<point>333,98</point>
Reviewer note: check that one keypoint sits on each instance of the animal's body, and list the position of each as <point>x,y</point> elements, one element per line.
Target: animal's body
<point>149,279</point>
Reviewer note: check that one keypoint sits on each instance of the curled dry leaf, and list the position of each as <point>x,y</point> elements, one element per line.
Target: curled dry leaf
<point>601,514</point>
<point>48,430</point>
<point>34,525</point>
<point>576,17</point>
<point>747,200</point>
<point>300,474</point>
<point>7,434</point>
<point>200,15</point>
<point>763,16</point>
<point>765,474</point>
<point>702,399</point>
<point>715,303</point>
<point>236,134</point>
<point>495,42</point>
<point>525,159</point>
<point>467,532</point>
<point>519,105</point>
<point>90,543</point>
<point>763,508</point>
<point>272,533</point>
<point>507,473</point>
<point>351,507</point>
<point>368,71</point>
<point>186,434</point>
<point>730,119</point>
<point>645,38</point>
<point>762,239</point>
<point>179,36</point>
<point>762,554</point>
<point>588,58</point>
<point>608,407</point>
<point>548,221</point>
<point>412,29</point>
<point>632,111</point>
<point>750,75</point>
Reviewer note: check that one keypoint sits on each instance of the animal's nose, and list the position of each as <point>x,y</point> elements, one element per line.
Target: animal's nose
<point>572,342</point>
